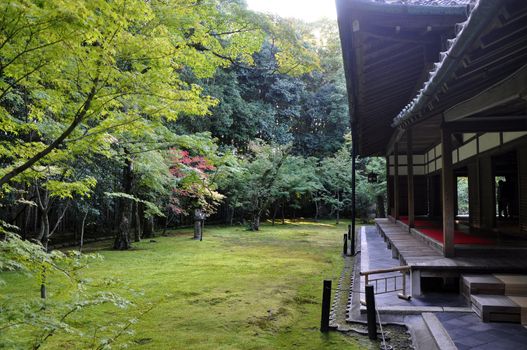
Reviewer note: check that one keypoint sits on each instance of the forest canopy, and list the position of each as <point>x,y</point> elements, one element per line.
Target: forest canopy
<point>132,115</point>
<point>120,118</point>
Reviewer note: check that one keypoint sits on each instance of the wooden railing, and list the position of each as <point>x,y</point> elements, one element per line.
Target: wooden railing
<point>404,270</point>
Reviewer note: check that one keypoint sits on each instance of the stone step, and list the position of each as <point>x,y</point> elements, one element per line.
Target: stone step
<point>481,284</point>
<point>514,284</point>
<point>496,308</point>
<point>497,284</point>
<point>522,303</point>
<point>439,334</point>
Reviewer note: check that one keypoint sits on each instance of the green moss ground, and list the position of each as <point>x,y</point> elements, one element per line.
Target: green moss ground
<point>234,290</point>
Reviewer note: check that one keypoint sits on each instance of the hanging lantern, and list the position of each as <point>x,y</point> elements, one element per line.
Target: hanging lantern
<point>372,177</point>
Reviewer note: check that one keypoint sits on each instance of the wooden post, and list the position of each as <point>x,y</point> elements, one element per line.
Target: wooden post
<point>388,198</point>
<point>353,177</point>
<point>353,241</point>
<point>345,247</point>
<point>370,312</point>
<point>351,237</point>
<point>404,295</point>
<point>404,284</point>
<point>396,181</point>
<point>474,207</point>
<point>487,193</point>
<point>410,177</point>
<point>522,182</point>
<point>326,300</point>
<point>447,177</point>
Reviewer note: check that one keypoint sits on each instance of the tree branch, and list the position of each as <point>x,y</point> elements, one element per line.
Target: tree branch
<point>81,113</point>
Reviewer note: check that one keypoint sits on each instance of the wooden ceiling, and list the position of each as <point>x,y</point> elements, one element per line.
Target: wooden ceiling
<point>499,51</point>
<point>388,51</point>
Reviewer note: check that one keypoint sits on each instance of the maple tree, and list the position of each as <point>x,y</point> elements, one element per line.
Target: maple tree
<point>193,187</point>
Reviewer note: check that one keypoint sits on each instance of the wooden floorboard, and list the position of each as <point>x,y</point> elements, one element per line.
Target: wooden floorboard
<point>417,253</point>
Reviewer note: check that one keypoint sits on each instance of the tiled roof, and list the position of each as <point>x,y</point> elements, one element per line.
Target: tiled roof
<point>448,59</point>
<point>428,2</point>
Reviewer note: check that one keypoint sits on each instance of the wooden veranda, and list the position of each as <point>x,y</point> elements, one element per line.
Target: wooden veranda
<point>439,88</point>
<point>425,260</point>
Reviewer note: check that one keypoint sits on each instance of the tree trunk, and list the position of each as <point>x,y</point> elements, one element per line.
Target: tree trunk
<point>283,214</point>
<point>35,221</point>
<point>255,222</point>
<point>82,231</point>
<point>44,205</point>
<point>44,228</point>
<point>232,216</point>
<point>165,227</point>
<point>138,230</point>
<point>316,211</point>
<point>148,229</point>
<point>27,223</point>
<point>122,239</point>
<point>43,293</point>
<point>274,213</point>
<point>60,220</point>
<point>44,238</point>
<point>338,207</point>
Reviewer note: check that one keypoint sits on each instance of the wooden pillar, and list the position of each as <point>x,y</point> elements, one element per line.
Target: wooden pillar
<point>388,198</point>
<point>396,182</point>
<point>447,178</point>
<point>487,193</point>
<point>522,182</point>
<point>473,195</point>
<point>431,198</point>
<point>410,177</point>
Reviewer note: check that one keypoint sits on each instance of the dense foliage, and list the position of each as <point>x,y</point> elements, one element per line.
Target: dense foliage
<point>131,114</point>
<point>120,116</point>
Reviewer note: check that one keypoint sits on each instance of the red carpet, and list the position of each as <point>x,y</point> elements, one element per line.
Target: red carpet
<point>459,237</point>
<point>433,229</point>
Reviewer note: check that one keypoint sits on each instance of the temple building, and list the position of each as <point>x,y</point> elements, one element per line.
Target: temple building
<point>439,88</point>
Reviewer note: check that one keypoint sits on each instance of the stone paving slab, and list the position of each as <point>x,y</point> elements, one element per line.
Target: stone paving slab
<point>469,333</point>
<point>466,330</point>
<point>439,333</point>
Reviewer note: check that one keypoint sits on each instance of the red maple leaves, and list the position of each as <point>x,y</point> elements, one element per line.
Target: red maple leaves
<point>183,161</point>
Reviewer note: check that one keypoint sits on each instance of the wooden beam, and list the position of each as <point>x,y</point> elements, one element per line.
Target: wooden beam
<point>381,51</point>
<point>509,89</point>
<point>393,36</point>
<point>447,178</point>
<point>381,61</point>
<point>493,124</point>
<point>396,136</point>
<point>410,177</point>
<point>396,182</point>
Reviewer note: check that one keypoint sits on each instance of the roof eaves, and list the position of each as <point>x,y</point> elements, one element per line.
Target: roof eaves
<point>409,7</point>
<point>467,32</point>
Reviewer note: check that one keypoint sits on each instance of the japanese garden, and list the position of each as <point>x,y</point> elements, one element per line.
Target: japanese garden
<point>263,174</point>
<point>174,174</point>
